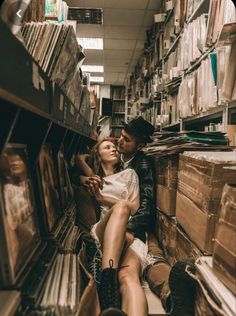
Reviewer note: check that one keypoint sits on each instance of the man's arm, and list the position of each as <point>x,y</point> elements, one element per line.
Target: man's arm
<point>141,220</point>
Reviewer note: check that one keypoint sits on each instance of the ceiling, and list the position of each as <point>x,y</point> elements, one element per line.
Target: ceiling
<point>123,31</point>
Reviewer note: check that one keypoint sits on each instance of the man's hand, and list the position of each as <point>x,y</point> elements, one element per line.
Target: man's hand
<point>89,182</point>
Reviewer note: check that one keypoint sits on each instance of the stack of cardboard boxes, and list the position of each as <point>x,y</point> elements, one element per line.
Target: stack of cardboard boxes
<point>191,213</point>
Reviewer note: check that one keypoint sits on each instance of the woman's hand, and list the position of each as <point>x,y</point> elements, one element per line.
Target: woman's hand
<point>94,185</point>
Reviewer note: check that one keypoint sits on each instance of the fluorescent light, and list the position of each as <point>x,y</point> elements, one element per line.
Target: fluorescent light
<point>96,79</point>
<point>92,68</point>
<point>90,43</point>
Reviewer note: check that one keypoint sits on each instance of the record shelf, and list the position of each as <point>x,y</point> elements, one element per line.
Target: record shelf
<point>40,132</point>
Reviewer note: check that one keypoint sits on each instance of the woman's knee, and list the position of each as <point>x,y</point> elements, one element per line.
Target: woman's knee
<point>121,208</point>
<point>128,276</point>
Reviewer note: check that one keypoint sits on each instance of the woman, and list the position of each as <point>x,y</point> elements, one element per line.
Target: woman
<point>119,199</point>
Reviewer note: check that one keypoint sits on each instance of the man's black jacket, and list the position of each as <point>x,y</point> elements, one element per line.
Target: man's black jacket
<point>144,219</point>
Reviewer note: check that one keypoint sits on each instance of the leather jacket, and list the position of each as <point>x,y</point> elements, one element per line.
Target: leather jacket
<point>144,219</point>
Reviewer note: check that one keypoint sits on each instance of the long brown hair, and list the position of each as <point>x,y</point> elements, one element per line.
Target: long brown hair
<point>95,160</point>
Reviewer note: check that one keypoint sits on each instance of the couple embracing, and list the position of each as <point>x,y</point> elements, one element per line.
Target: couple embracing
<point>122,182</point>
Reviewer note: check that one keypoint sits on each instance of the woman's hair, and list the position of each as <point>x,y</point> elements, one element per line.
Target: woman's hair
<point>95,160</point>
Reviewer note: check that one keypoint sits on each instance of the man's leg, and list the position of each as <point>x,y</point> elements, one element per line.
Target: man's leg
<point>157,275</point>
<point>133,297</point>
<point>175,287</point>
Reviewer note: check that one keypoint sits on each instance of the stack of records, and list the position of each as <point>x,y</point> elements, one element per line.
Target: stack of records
<point>70,243</point>
<point>213,298</point>
<point>62,291</point>
<point>165,143</point>
<point>54,47</point>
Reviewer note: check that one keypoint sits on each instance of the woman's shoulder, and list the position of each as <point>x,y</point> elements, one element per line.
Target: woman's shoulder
<point>130,173</point>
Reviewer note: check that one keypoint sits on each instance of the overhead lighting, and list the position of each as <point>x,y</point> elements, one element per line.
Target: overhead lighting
<point>92,68</point>
<point>90,43</point>
<point>96,79</point>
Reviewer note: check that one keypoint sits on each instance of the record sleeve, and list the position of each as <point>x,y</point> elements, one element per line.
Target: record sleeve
<point>49,186</point>
<point>19,232</point>
<point>65,183</point>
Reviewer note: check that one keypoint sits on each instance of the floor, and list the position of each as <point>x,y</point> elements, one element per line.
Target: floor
<point>154,304</point>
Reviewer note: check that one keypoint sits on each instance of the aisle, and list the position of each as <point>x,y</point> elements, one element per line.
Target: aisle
<point>154,303</point>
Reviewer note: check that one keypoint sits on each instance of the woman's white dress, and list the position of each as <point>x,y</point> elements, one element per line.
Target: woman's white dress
<point>124,185</point>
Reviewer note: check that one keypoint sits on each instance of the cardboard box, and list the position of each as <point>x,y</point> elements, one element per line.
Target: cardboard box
<point>185,248</point>
<point>202,176</point>
<point>166,232</point>
<point>208,167</point>
<point>205,196</point>
<point>166,199</point>
<point>224,255</point>
<point>199,225</point>
<point>167,170</point>
<point>231,133</point>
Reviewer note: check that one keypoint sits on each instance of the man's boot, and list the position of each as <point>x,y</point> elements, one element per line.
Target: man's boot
<point>183,288</point>
<point>109,289</point>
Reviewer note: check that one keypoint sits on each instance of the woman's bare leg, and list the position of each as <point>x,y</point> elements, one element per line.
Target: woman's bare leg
<point>111,233</point>
<point>133,297</point>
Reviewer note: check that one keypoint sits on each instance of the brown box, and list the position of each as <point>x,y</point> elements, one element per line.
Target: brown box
<point>224,255</point>
<point>231,133</point>
<point>202,176</point>
<point>166,232</point>
<point>167,170</point>
<point>185,248</point>
<point>166,199</point>
<point>199,225</point>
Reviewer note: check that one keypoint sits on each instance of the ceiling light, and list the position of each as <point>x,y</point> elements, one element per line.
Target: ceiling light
<point>92,68</point>
<point>96,79</point>
<point>90,43</point>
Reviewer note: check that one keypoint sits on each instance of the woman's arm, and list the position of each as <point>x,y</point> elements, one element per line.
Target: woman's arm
<point>110,201</point>
<point>81,163</point>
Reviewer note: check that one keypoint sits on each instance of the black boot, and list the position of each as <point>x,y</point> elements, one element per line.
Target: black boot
<point>183,288</point>
<point>108,291</point>
<point>94,259</point>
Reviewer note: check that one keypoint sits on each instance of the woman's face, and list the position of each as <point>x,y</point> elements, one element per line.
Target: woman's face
<point>108,153</point>
<point>17,165</point>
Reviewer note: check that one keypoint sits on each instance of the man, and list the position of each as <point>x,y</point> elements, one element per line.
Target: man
<point>134,136</point>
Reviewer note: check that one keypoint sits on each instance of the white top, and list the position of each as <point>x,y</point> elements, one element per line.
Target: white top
<point>123,185</point>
